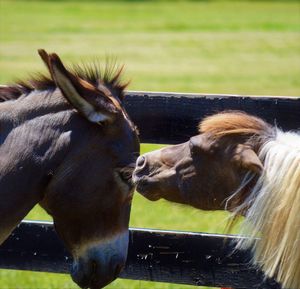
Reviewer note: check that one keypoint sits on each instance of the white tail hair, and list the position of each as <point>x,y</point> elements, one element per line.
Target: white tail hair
<point>274,212</point>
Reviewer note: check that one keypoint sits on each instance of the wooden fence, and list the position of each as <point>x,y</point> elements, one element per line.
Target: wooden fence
<point>165,256</point>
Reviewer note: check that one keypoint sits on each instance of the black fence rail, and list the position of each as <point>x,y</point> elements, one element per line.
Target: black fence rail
<point>165,256</point>
<point>154,255</point>
<point>173,117</point>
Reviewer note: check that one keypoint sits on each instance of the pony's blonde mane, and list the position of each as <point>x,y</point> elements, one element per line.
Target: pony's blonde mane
<point>274,213</point>
<point>272,210</point>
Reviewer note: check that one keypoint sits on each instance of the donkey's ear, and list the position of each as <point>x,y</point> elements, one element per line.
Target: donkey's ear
<point>45,57</point>
<point>83,96</point>
<point>246,157</point>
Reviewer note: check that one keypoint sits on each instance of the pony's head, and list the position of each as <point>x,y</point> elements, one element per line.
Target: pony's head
<point>239,163</point>
<point>204,171</point>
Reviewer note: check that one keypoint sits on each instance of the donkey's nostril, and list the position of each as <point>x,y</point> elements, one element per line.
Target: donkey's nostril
<point>118,269</point>
<point>93,267</point>
<point>140,161</point>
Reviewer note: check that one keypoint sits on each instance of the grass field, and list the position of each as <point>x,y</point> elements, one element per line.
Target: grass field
<point>207,46</point>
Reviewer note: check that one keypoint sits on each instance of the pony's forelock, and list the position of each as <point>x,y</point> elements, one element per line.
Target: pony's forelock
<point>233,123</point>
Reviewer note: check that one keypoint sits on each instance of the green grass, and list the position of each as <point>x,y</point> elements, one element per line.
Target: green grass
<point>208,46</point>
<point>243,47</point>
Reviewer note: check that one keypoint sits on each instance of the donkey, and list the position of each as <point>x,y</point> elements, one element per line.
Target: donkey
<point>239,163</point>
<point>67,143</point>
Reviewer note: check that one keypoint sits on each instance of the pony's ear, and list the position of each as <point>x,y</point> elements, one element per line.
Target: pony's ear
<point>83,96</point>
<point>246,157</point>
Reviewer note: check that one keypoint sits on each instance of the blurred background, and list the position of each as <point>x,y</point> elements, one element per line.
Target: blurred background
<point>235,47</point>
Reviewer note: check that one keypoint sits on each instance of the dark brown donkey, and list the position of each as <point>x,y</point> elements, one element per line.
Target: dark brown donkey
<point>67,143</point>
<point>242,164</point>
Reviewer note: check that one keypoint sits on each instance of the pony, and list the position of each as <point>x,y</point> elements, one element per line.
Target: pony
<point>67,143</point>
<point>242,164</point>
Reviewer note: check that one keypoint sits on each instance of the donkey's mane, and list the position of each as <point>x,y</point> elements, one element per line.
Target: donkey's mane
<point>111,77</point>
<point>233,123</point>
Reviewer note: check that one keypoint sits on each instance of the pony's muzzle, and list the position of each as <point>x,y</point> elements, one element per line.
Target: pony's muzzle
<point>101,264</point>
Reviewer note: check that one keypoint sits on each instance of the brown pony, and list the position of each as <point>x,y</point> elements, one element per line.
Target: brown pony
<point>67,143</point>
<point>238,163</point>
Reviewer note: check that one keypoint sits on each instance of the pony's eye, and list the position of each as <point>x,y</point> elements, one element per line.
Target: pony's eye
<point>200,146</point>
<point>193,148</point>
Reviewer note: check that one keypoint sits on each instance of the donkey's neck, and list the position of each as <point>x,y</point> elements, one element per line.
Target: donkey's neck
<point>34,137</point>
<point>30,125</point>
<point>38,101</point>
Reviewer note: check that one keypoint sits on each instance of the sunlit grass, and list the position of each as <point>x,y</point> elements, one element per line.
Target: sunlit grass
<point>208,46</point>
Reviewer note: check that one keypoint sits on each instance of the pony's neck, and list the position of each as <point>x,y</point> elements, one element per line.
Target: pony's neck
<point>274,210</point>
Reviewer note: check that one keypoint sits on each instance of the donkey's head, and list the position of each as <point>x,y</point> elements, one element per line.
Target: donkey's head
<point>89,194</point>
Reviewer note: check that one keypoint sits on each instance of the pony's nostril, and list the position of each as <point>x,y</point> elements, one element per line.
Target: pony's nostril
<point>140,161</point>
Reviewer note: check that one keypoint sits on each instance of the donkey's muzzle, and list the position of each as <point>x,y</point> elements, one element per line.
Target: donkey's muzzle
<point>98,275</point>
<point>101,264</point>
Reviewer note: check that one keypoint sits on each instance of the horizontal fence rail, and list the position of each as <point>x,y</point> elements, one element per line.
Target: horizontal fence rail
<point>164,256</point>
<point>169,118</point>
<point>154,255</point>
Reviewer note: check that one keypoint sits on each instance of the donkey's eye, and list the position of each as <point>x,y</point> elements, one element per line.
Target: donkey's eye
<point>123,178</point>
<point>125,175</point>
